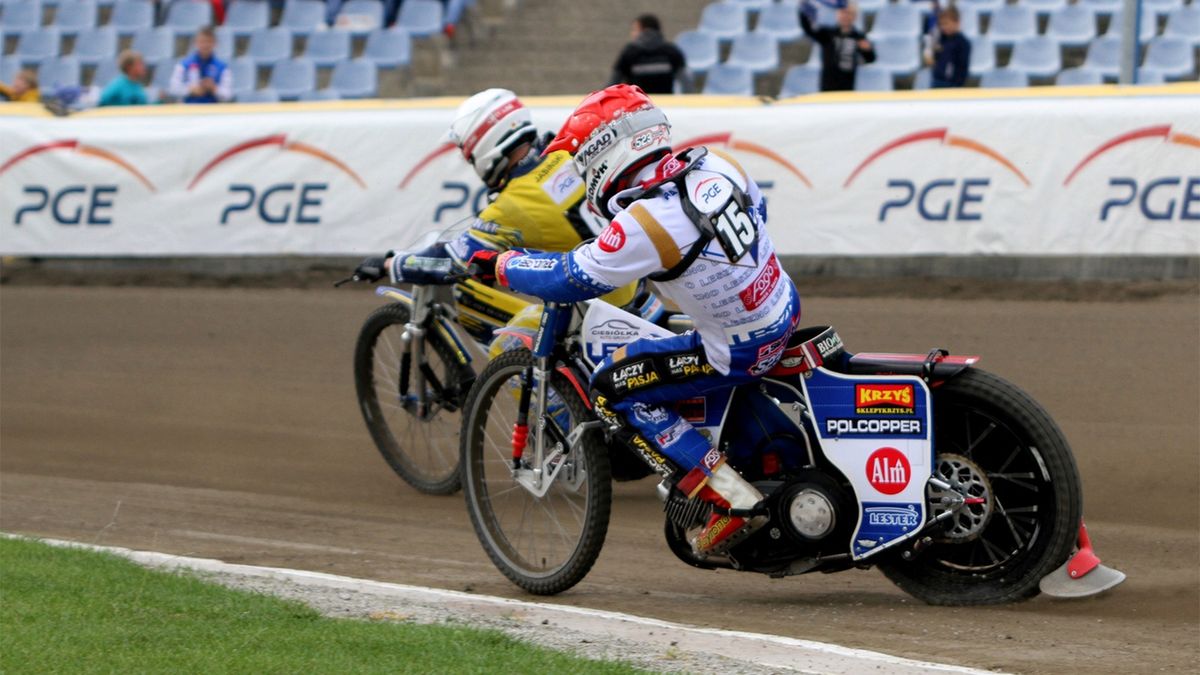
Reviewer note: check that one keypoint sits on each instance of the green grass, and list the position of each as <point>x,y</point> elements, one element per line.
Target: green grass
<point>70,610</point>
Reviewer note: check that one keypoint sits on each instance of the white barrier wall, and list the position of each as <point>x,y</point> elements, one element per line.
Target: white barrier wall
<point>1104,174</point>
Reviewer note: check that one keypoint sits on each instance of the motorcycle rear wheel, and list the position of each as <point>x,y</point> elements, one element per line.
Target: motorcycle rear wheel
<point>1035,488</point>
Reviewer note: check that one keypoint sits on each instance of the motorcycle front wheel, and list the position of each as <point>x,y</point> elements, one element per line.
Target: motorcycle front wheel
<point>543,544</point>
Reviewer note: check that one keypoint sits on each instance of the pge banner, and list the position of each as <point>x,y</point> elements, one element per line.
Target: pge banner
<point>1113,174</point>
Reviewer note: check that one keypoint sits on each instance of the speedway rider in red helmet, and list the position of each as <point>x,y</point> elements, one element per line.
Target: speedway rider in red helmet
<point>694,223</point>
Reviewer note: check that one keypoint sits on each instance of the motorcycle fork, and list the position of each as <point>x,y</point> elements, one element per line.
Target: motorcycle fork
<point>414,340</point>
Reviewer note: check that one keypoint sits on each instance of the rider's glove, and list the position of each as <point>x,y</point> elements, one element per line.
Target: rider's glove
<point>483,265</point>
<point>372,269</point>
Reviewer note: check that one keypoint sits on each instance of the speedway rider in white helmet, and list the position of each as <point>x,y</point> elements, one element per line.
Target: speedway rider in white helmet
<point>694,223</point>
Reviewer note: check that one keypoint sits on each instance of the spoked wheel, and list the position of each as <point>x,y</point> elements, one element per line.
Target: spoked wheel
<point>544,544</point>
<point>998,447</point>
<point>419,443</point>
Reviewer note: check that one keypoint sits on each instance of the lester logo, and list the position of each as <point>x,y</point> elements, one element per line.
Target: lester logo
<point>612,238</point>
<point>888,471</point>
<point>884,399</point>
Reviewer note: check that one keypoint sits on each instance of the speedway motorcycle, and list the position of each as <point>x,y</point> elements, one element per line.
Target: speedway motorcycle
<point>953,482</point>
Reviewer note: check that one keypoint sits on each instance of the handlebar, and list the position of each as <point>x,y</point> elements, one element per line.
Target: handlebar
<point>470,272</point>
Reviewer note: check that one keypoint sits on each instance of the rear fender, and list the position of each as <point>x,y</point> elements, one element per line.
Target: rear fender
<point>935,367</point>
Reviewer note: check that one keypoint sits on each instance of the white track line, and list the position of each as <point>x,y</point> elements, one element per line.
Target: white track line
<point>772,651</point>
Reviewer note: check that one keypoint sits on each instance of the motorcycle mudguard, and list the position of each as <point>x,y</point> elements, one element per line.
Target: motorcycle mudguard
<point>877,430</point>
<point>444,327</point>
<point>606,328</point>
<point>938,367</point>
<point>397,294</point>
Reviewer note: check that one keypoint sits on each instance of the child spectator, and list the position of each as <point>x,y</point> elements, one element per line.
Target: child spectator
<point>951,57</point>
<point>202,77</point>
<point>841,46</point>
<point>24,88</point>
<point>127,88</point>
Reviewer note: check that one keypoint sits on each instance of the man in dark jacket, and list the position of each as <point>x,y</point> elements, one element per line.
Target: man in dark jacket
<point>649,61</point>
<point>951,58</point>
<point>841,46</point>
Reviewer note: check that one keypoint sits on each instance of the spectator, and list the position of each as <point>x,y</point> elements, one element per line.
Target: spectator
<point>841,46</point>
<point>202,77</point>
<point>951,54</point>
<point>649,61</point>
<point>24,88</point>
<point>127,88</point>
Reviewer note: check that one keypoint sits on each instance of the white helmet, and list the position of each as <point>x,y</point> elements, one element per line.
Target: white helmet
<point>486,127</point>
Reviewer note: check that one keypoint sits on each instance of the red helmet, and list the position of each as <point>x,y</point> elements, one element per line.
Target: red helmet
<point>613,133</point>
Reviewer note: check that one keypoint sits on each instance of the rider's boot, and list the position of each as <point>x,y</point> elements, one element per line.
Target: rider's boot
<point>725,489</point>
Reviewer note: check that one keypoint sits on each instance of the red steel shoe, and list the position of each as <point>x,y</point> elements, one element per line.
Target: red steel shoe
<point>726,489</point>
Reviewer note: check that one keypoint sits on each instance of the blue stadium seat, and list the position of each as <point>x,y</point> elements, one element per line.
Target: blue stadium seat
<point>270,45</point>
<point>293,77</point>
<point>754,52</point>
<point>781,22</point>
<point>9,69</point>
<point>327,48</point>
<point>872,78</point>
<point>93,46</point>
<point>130,16</point>
<point>1072,26</point>
<point>303,17</point>
<point>20,16</point>
<point>1162,6</point>
<point>355,79</point>
<point>155,44</point>
<point>1011,23</point>
<point>827,16</point>
<point>360,17</point>
<point>421,18</point>
<point>1078,76</point>
<point>389,48</point>
<point>752,6</point>
<point>1044,7</point>
<point>244,72</point>
<point>106,71</point>
<point>729,80</point>
<point>320,95</point>
<point>969,20</point>
<point>62,71</point>
<point>163,70</point>
<point>258,96</point>
<point>226,40</point>
<point>870,6</point>
<point>799,81</point>
<point>1149,77</point>
<point>984,7</point>
<point>1172,57</point>
<point>1184,23</point>
<point>1104,7</point>
<point>187,17</point>
<point>723,19</point>
<point>897,54</point>
<point>75,16</point>
<point>899,19</point>
<point>37,44</point>
<point>1148,25</point>
<point>1036,56</point>
<point>701,50</point>
<point>983,56</point>
<point>246,16</point>
<point>923,79</point>
<point>1003,78</point>
<point>1104,56</point>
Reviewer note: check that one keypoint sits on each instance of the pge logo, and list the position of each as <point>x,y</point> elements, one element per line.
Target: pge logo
<point>75,203</point>
<point>1166,196</point>
<point>277,203</point>
<point>958,198</point>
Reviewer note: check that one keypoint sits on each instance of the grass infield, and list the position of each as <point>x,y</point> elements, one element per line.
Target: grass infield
<point>72,610</point>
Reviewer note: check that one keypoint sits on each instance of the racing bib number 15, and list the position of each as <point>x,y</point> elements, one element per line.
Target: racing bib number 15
<point>735,231</point>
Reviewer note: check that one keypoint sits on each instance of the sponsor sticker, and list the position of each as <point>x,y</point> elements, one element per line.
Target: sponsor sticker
<point>711,459</point>
<point>612,238</point>
<point>525,262</point>
<point>888,471</point>
<point>884,399</point>
<point>760,289</point>
<point>688,365</point>
<point>649,414</point>
<point>562,185</point>
<point>673,433</point>
<point>899,517</point>
<point>872,427</point>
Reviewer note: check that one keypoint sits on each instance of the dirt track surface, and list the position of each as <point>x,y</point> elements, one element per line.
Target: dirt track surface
<point>222,423</point>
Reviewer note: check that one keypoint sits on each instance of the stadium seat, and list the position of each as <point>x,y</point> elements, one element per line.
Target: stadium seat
<point>258,96</point>
<point>872,78</point>
<point>871,6</point>
<point>62,71</point>
<point>1148,27</point>
<point>20,16</point>
<point>1036,56</point>
<point>327,48</point>
<point>752,6</point>
<point>320,95</point>
<point>729,80</point>
<point>923,79</point>
<point>421,18</point>
<point>355,79</point>
<point>1184,23</point>
<point>969,20</point>
<point>755,52</point>
<point>454,12</point>
<point>983,56</point>
<point>9,69</point>
<point>1104,56</point>
<point>1044,7</point>
<point>983,7</point>
<point>700,49</point>
<point>302,17</point>
<point>155,43</point>
<point>799,81</point>
<point>1162,6</point>
<point>827,16</point>
<point>897,54</point>
<point>187,17</point>
<point>1003,78</point>
<point>389,48</point>
<point>1078,76</point>
<point>226,41</point>
<point>106,71</point>
<point>244,72</point>
<point>1149,77</point>
<point>130,16</point>
<point>360,17</point>
<point>1011,23</point>
<point>781,22</point>
<point>293,77</point>
<point>93,46</point>
<point>163,70</point>
<point>1173,57</point>
<point>723,20</point>
<point>1072,26</point>
<point>246,16</point>
<point>1104,7</point>
<point>37,44</point>
<point>75,16</point>
<point>899,19</point>
<point>270,45</point>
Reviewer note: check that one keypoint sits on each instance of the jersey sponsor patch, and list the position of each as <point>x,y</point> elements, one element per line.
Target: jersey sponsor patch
<point>754,295</point>
<point>612,238</point>
<point>888,471</point>
<point>884,399</point>
<point>562,185</point>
